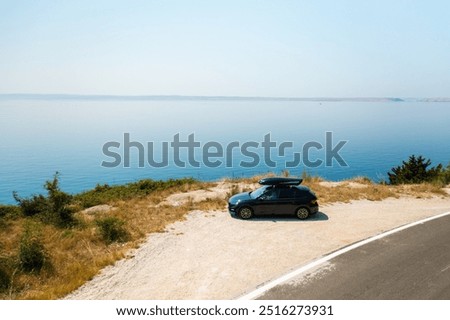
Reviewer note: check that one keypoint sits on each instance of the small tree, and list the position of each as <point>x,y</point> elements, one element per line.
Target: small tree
<point>414,171</point>
<point>53,208</point>
<point>59,201</point>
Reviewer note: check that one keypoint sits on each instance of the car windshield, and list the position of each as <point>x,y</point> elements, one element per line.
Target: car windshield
<point>258,192</point>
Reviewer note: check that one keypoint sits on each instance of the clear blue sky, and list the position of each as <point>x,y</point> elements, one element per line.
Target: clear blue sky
<point>247,48</point>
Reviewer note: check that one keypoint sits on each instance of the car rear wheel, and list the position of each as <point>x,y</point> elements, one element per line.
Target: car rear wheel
<point>302,213</point>
<point>245,213</point>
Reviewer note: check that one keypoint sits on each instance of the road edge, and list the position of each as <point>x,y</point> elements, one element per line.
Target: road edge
<point>263,288</point>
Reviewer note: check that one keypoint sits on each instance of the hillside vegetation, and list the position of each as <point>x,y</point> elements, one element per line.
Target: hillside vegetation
<point>51,244</point>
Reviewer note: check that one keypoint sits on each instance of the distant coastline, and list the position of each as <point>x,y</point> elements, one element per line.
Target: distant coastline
<point>30,96</point>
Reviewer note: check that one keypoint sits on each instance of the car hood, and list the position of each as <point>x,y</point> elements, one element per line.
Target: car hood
<point>239,197</point>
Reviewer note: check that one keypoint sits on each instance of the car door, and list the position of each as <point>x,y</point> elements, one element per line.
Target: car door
<point>286,200</point>
<point>267,202</point>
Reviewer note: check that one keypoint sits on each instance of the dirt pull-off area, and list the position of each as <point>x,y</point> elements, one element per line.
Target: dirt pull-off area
<point>212,255</point>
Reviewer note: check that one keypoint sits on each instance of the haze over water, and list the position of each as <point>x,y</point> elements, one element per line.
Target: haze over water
<point>40,137</point>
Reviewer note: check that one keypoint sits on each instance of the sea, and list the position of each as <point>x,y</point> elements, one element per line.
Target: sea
<point>110,140</point>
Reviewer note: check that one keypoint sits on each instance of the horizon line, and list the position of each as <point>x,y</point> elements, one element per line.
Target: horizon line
<point>68,96</point>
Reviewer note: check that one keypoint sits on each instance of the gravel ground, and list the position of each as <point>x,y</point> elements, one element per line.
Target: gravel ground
<point>212,255</point>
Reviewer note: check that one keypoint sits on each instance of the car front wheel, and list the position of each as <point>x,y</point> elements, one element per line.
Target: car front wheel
<point>302,213</point>
<point>245,213</point>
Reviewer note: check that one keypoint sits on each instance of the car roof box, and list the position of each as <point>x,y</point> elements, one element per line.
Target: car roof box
<point>280,181</point>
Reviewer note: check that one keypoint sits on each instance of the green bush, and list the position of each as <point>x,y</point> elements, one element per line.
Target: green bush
<point>444,176</point>
<point>101,187</point>
<point>112,229</point>
<point>32,255</point>
<point>35,205</point>
<point>54,208</point>
<point>103,194</point>
<point>9,211</point>
<point>59,202</point>
<point>415,170</point>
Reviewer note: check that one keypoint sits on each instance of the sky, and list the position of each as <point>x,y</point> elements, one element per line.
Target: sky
<point>227,48</point>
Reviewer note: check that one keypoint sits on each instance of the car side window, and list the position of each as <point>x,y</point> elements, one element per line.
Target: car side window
<point>270,194</point>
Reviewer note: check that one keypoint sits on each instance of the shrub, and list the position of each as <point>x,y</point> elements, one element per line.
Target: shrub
<point>32,255</point>
<point>444,176</point>
<point>32,206</point>
<point>9,211</point>
<point>59,202</point>
<point>53,208</point>
<point>112,229</point>
<point>101,187</point>
<point>414,171</point>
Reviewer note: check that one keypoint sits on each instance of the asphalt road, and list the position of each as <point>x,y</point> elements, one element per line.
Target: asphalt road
<point>411,264</point>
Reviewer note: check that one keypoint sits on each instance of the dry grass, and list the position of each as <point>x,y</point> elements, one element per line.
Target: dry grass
<point>350,190</point>
<point>75,256</point>
<point>362,188</point>
<point>78,254</point>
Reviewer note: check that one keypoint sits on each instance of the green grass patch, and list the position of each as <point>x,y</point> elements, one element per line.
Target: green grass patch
<point>7,212</point>
<point>103,194</point>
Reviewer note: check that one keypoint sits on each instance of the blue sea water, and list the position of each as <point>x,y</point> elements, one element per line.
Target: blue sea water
<point>40,137</point>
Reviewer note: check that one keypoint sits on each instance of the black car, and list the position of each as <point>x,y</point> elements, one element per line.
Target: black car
<point>276,196</point>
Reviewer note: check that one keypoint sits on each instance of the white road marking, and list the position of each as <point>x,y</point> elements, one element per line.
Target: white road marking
<point>271,284</point>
